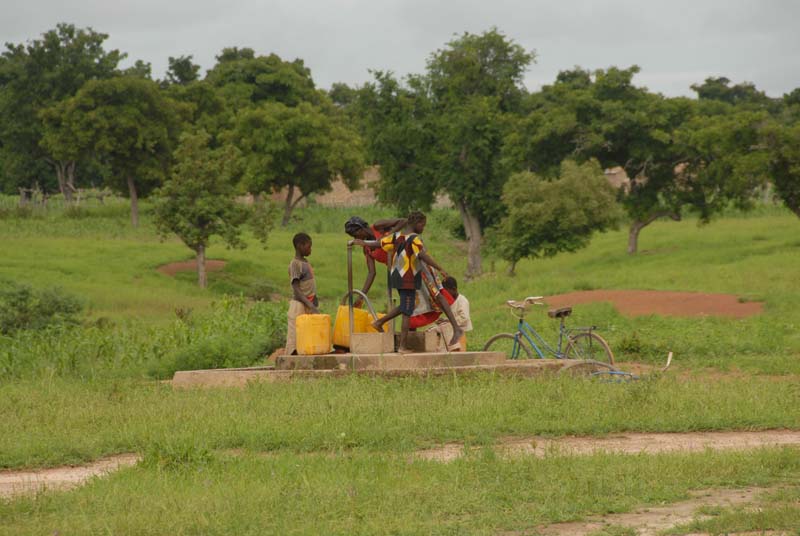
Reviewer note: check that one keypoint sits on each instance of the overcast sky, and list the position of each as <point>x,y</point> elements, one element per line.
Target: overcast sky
<point>676,43</point>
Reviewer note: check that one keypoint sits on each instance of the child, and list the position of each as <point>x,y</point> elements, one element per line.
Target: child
<point>304,289</point>
<point>460,308</point>
<point>410,258</point>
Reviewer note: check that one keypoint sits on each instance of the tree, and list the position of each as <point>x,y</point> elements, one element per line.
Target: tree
<point>245,79</point>
<point>302,148</point>
<point>783,144</point>
<point>719,89</point>
<point>182,71</point>
<point>723,160</point>
<point>39,75</point>
<point>128,123</point>
<point>395,125</point>
<point>678,153</point>
<point>140,68</point>
<point>198,201</point>
<point>448,127</point>
<point>545,217</point>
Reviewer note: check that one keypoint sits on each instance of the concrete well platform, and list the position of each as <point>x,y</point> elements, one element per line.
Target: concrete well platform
<point>388,361</point>
<point>241,377</point>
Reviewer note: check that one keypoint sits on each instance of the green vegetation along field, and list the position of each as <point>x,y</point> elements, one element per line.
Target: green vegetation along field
<point>334,456</point>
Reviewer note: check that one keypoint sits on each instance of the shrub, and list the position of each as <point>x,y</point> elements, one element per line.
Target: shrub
<point>22,307</point>
<point>215,352</point>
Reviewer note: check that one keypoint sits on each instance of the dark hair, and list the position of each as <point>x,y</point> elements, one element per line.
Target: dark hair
<point>450,283</point>
<point>415,217</point>
<point>301,238</point>
<point>355,224</point>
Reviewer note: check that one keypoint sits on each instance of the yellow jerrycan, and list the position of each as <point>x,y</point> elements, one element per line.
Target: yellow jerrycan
<point>362,323</point>
<point>313,334</point>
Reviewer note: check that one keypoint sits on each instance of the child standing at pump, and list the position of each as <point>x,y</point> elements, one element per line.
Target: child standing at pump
<point>304,289</point>
<point>410,258</point>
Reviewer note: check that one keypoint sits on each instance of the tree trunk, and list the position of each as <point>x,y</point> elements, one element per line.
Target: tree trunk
<point>472,228</point>
<point>70,176</point>
<point>638,225</point>
<point>287,209</point>
<point>202,280</point>
<point>64,183</point>
<point>633,236</point>
<point>134,202</point>
<point>511,268</point>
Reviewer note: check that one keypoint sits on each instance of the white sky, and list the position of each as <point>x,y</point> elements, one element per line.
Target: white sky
<point>676,43</point>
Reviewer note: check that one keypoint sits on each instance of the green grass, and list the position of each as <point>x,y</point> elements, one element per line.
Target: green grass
<point>339,449</point>
<point>364,493</point>
<point>99,418</point>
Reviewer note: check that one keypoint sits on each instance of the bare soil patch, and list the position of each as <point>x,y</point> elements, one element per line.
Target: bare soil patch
<point>647,302</point>
<point>650,521</point>
<point>189,266</point>
<point>13,483</point>
<point>625,444</point>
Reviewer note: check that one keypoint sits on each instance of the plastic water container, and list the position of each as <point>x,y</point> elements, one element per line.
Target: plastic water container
<point>362,323</point>
<point>341,328</point>
<point>313,334</point>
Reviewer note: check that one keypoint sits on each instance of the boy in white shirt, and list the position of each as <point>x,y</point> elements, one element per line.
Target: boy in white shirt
<point>460,308</point>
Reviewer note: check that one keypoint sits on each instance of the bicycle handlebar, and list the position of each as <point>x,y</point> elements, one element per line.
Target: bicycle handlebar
<point>530,300</point>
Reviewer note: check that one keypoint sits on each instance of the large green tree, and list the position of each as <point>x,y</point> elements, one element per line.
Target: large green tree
<point>128,123</point>
<point>245,79</point>
<point>547,216</point>
<point>38,75</point>
<point>783,144</point>
<point>444,131</point>
<point>198,201</point>
<point>301,148</point>
<point>678,153</point>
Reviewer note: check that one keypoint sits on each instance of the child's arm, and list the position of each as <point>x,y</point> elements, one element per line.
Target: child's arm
<point>367,243</point>
<point>427,259</point>
<point>389,225</point>
<point>297,295</point>
<point>368,282</point>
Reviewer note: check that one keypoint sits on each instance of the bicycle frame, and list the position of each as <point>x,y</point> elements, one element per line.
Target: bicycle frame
<point>524,329</point>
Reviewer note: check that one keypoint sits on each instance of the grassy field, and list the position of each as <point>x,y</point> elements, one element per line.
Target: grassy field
<point>339,450</point>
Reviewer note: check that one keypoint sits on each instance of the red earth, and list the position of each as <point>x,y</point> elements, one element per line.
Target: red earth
<point>647,302</point>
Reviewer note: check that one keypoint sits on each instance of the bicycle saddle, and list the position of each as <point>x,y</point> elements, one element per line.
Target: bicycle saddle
<point>530,300</point>
<point>561,312</point>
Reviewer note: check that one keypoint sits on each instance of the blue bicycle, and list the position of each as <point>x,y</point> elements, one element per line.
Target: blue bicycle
<point>573,343</point>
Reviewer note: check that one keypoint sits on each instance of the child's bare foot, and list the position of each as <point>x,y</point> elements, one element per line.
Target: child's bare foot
<point>457,334</point>
<point>405,351</point>
<point>377,326</point>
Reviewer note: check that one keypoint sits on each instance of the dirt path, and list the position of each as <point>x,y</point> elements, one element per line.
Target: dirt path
<point>647,302</point>
<point>189,266</point>
<point>650,521</point>
<point>13,483</point>
<point>634,443</point>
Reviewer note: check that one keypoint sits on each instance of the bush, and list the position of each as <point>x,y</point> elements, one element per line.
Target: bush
<point>216,352</point>
<point>22,307</point>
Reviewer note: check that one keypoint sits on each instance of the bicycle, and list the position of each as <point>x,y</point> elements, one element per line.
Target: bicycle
<point>577,343</point>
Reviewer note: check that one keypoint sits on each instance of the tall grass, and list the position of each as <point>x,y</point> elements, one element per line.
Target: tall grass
<point>133,348</point>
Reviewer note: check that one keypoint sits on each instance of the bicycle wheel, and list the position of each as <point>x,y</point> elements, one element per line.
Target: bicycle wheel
<point>504,342</point>
<point>589,345</point>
